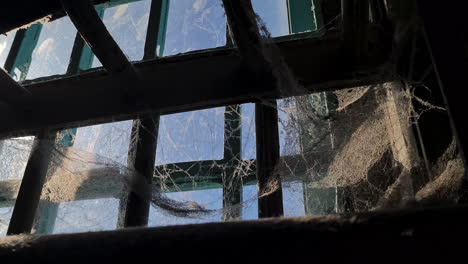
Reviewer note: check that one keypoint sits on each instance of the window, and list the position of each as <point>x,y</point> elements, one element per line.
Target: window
<point>334,146</point>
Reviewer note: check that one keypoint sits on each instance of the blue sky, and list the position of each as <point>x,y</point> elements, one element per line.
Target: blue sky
<point>192,25</point>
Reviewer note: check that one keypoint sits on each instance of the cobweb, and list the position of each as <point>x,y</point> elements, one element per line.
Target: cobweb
<point>346,151</point>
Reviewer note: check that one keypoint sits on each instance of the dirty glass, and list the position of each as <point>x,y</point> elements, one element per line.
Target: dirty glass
<point>194,25</point>
<point>127,23</point>
<point>248,150</point>
<point>274,14</point>
<point>346,151</point>
<point>293,200</point>
<point>86,175</point>
<point>14,154</point>
<point>86,216</point>
<point>191,136</point>
<point>5,44</point>
<point>52,52</point>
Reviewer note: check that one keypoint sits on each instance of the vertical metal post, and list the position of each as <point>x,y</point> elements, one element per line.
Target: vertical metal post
<point>270,200</point>
<point>141,158</point>
<point>134,210</point>
<point>232,180</point>
<point>245,34</point>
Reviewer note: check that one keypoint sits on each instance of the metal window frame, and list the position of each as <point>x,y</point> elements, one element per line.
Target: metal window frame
<point>85,59</point>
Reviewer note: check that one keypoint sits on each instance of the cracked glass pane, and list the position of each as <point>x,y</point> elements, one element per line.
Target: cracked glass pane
<point>194,25</point>
<point>127,24</point>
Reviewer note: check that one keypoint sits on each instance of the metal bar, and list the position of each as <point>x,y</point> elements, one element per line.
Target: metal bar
<point>232,178</point>
<point>94,32</point>
<point>270,196</point>
<point>134,210</point>
<point>246,35</point>
<point>142,155</point>
<point>31,186</point>
<point>82,56</point>
<point>156,32</point>
<point>76,55</point>
<point>318,64</point>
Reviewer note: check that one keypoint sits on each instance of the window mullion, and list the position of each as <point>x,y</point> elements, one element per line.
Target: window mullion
<point>232,181</point>
<point>134,208</point>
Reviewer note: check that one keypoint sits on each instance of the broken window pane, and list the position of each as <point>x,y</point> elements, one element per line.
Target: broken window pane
<point>194,25</point>
<point>5,45</point>
<point>51,54</point>
<point>191,136</point>
<point>88,170</point>
<point>127,24</point>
